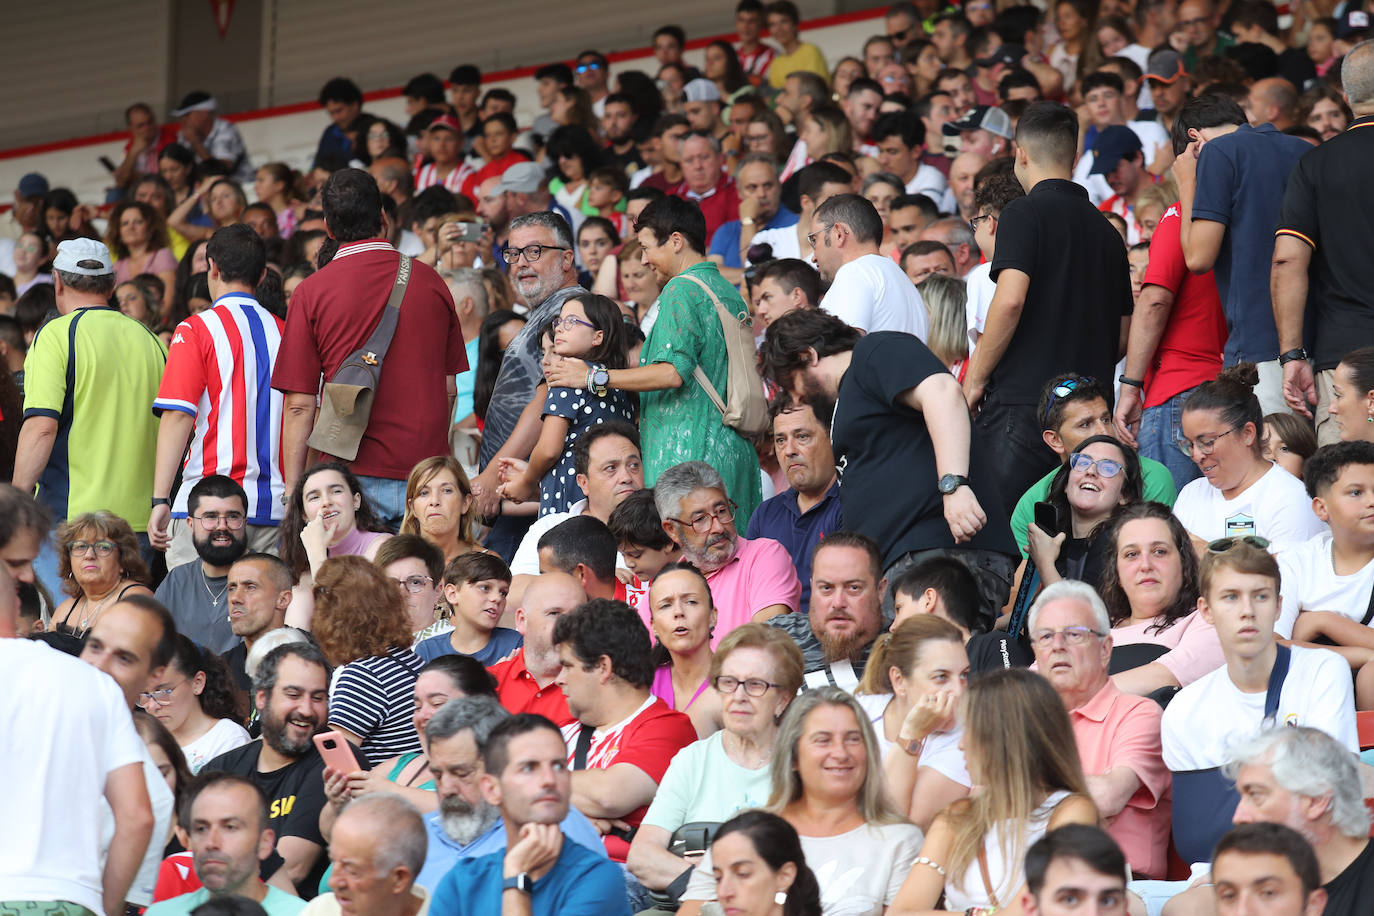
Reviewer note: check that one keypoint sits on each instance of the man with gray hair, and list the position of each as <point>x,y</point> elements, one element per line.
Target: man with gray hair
<point>1117,734</point>
<point>703,182</point>
<point>1325,223</point>
<point>470,299</point>
<point>377,848</point>
<point>954,233</point>
<point>89,441</point>
<point>750,580</point>
<point>466,824</point>
<point>867,290</point>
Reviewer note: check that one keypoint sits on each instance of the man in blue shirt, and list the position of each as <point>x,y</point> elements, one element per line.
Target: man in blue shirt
<point>799,517</point>
<point>1231,180</point>
<point>526,775</point>
<point>467,825</point>
<point>760,208</point>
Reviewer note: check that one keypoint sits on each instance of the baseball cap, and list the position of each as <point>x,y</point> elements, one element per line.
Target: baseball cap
<point>194,101</point>
<point>981,117</point>
<point>1353,22</point>
<point>1004,54</point>
<point>32,185</point>
<point>701,90</point>
<point>1111,146</point>
<point>1165,66</point>
<point>446,122</point>
<point>521,178</point>
<point>87,257</point>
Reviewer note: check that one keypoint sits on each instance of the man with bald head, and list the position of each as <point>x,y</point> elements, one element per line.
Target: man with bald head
<point>962,172</point>
<point>393,178</point>
<point>525,681</point>
<point>1272,101</point>
<point>377,848</point>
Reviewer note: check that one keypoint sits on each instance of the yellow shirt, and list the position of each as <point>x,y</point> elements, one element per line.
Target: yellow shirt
<point>806,57</point>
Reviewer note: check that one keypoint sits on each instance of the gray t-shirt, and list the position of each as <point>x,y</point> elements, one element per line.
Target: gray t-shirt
<point>520,374</point>
<point>191,597</point>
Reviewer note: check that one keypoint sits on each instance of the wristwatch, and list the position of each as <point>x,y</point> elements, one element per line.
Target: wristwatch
<point>1133,382</point>
<point>160,501</point>
<point>1295,353</point>
<point>746,222</point>
<point>951,482</point>
<point>520,882</point>
<point>598,380</point>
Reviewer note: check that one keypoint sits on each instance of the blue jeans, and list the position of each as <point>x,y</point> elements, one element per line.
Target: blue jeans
<point>387,498</point>
<point>1161,431</point>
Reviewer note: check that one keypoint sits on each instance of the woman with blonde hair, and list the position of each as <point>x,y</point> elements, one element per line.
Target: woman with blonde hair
<point>99,563</point>
<point>440,507</point>
<point>1021,750</point>
<point>826,783</point>
<point>827,130</point>
<point>945,299</point>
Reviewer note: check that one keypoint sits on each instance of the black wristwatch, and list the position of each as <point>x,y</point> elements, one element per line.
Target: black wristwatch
<point>1295,353</point>
<point>951,482</point>
<point>1133,382</point>
<point>520,882</point>
<point>160,501</point>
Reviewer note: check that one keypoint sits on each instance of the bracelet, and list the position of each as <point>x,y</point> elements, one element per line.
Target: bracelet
<point>1133,382</point>
<point>922,860</point>
<point>160,501</point>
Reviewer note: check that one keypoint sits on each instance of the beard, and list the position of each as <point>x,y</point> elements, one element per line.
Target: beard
<point>274,735</point>
<point>221,554</point>
<point>464,822</point>
<point>821,402</point>
<point>846,646</point>
<point>712,555</point>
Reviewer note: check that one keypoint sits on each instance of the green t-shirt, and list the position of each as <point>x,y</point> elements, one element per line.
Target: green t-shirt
<point>276,903</point>
<point>1155,478</point>
<point>96,372</point>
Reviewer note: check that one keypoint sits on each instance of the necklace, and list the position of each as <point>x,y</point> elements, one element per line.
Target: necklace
<point>100,606</point>
<point>214,599</point>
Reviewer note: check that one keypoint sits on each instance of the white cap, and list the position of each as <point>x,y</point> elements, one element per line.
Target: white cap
<point>701,90</point>
<point>87,257</point>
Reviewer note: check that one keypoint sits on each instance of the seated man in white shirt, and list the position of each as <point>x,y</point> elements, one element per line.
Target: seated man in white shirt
<point>867,290</point>
<point>1328,582</point>
<point>1262,683</point>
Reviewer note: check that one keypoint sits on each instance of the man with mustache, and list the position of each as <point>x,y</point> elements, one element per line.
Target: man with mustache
<point>225,817</point>
<point>466,824</point>
<point>291,691</point>
<point>197,593</point>
<point>751,580</point>
<point>846,616</point>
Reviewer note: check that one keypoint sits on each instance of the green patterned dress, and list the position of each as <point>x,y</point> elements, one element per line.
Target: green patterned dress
<point>683,424</point>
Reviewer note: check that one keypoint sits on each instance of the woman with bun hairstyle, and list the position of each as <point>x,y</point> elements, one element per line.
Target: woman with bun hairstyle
<point>1240,492</point>
<point>1352,396</point>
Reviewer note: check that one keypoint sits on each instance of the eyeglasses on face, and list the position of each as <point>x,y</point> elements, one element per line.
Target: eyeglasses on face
<point>81,548</point>
<point>532,253</point>
<point>811,237</point>
<point>211,520</point>
<point>161,697</point>
<point>1203,444</point>
<point>1221,545</point>
<point>568,322</point>
<point>589,65</point>
<point>754,686</point>
<point>1073,636</point>
<point>973,223</point>
<point>701,522</point>
<point>1106,467</point>
<point>413,584</point>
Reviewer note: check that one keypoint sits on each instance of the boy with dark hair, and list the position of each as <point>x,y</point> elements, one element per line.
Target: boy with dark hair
<point>1269,862</point>
<point>1074,869</point>
<point>475,589</point>
<point>992,191</point>
<point>606,190</point>
<point>784,285</point>
<point>645,546</point>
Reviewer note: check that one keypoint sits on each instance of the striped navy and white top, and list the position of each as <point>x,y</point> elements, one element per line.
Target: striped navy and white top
<point>374,699</point>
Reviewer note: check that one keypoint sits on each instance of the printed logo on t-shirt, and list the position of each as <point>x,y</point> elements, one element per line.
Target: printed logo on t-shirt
<point>1291,720</point>
<point>1240,525</point>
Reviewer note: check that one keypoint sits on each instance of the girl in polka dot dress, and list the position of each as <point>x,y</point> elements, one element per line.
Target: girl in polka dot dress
<point>589,328</point>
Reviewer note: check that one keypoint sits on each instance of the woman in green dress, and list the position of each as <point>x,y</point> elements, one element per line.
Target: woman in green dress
<point>678,420</point>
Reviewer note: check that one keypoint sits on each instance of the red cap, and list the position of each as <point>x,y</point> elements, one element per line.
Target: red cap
<point>446,122</point>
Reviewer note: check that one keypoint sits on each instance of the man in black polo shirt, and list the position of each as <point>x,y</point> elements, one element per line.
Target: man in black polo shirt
<point>1062,304</point>
<point>1325,225</point>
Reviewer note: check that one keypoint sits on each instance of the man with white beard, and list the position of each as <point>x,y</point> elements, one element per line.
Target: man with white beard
<point>466,824</point>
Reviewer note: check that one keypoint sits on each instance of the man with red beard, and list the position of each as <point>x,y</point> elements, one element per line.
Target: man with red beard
<point>846,614</point>
<point>292,693</point>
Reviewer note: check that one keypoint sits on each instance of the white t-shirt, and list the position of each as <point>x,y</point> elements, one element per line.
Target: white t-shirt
<point>67,727</point>
<point>931,182</point>
<point>1309,583</point>
<point>526,560</point>
<point>872,294</point>
<point>940,752</point>
<point>981,288</point>
<point>1211,715</point>
<point>784,242</point>
<point>223,736</point>
<point>141,891</point>
<point>1275,507</point>
<point>859,872</point>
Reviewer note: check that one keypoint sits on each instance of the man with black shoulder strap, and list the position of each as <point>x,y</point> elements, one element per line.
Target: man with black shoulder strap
<point>335,313</point>
<point>1261,685</point>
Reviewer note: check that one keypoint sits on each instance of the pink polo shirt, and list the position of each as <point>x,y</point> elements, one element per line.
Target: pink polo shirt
<point>1194,648</point>
<point>761,574</point>
<point>1115,729</point>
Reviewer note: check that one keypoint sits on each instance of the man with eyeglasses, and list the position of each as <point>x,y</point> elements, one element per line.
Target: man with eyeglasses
<point>1117,734</point>
<point>750,580</point>
<point>196,593</point>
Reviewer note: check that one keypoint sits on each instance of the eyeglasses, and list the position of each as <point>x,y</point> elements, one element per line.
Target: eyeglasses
<point>1221,545</point>
<point>754,686</point>
<point>589,65</point>
<point>211,520</point>
<point>414,584</point>
<point>811,238</point>
<point>973,223</point>
<point>701,523</point>
<point>1203,444</point>
<point>1194,23</point>
<point>162,696</point>
<point>532,253</point>
<point>1063,390</point>
<point>1106,467</point>
<point>81,548</point>
<point>568,322</point>
<point>1073,636</point>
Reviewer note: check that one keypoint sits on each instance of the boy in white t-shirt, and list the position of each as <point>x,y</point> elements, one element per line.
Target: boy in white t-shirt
<point>1327,581</point>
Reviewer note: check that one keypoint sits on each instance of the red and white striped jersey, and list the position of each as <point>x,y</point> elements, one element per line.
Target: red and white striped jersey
<point>426,176</point>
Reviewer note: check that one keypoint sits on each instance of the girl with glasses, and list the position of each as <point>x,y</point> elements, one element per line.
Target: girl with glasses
<point>195,701</point>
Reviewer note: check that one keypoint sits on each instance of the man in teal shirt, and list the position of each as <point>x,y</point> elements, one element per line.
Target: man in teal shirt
<point>225,817</point>
<point>1071,409</point>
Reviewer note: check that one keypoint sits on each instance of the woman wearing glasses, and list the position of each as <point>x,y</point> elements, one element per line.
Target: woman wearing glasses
<point>1240,492</point>
<point>195,700</point>
<point>98,560</point>
<point>754,676</point>
<point>679,421</point>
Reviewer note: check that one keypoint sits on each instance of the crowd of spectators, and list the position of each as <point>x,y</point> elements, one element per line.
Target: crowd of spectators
<point>934,480</point>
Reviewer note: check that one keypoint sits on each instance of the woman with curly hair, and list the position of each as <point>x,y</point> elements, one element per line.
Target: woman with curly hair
<point>360,622</point>
<point>195,701</point>
<point>99,563</point>
<point>138,239</point>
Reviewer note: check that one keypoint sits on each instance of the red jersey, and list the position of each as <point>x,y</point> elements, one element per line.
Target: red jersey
<point>519,692</point>
<point>719,204</point>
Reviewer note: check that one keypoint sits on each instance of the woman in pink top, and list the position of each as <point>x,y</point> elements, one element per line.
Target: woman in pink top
<point>1159,640</point>
<point>137,237</point>
<point>682,615</point>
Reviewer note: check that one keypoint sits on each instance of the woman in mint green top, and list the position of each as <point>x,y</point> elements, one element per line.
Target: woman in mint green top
<point>678,420</point>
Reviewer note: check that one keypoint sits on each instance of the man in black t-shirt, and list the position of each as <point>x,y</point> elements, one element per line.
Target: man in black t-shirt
<point>909,462</point>
<point>1062,305</point>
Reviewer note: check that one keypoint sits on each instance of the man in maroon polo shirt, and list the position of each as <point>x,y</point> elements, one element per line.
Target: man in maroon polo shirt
<point>334,312</point>
<point>704,183</point>
<point>525,681</point>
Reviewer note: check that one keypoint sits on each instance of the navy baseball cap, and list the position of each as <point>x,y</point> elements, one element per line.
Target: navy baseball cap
<point>1111,146</point>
